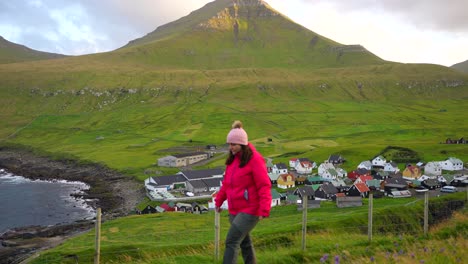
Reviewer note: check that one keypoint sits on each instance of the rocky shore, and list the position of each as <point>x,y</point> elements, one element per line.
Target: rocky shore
<point>116,194</point>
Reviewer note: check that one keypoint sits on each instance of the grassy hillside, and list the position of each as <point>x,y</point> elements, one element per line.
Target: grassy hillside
<point>333,233</point>
<point>462,66</point>
<point>186,82</point>
<point>11,52</point>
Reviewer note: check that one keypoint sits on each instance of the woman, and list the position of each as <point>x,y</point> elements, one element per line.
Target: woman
<point>247,188</point>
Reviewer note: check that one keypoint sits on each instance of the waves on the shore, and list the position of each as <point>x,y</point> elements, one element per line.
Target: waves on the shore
<point>25,202</point>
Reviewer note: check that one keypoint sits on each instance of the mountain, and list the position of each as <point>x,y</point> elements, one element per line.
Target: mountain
<point>462,66</point>
<point>239,34</point>
<point>11,52</point>
<point>183,84</point>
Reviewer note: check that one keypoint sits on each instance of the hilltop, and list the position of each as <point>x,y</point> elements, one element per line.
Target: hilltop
<point>462,66</point>
<point>11,52</point>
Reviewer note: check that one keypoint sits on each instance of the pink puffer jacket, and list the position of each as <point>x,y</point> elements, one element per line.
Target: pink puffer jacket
<point>247,189</point>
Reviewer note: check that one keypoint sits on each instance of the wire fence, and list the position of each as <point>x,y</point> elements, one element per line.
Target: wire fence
<point>282,230</point>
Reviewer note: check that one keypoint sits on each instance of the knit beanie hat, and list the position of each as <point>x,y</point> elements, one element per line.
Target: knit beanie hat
<point>237,135</point>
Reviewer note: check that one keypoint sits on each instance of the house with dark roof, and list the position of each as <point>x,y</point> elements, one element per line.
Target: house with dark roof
<point>279,168</point>
<point>326,191</point>
<point>191,175</point>
<point>305,191</point>
<point>166,182</point>
<point>392,184</point>
<point>336,159</point>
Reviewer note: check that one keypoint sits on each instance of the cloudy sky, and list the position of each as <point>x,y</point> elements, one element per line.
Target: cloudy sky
<point>410,31</point>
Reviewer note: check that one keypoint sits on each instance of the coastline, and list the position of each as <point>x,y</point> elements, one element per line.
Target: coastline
<point>116,194</point>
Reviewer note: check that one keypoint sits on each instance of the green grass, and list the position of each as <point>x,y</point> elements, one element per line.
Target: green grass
<point>186,238</point>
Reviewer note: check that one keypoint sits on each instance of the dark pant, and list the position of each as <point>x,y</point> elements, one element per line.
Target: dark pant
<point>238,237</point>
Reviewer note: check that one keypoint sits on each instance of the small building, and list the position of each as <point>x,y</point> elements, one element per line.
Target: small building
<point>286,181</point>
<point>181,160</point>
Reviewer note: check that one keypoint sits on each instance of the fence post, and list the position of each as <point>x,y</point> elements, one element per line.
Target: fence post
<point>426,213</point>
<point>97,250</point>
<point>304,221</point>
<point>217,231</point>
<point>369,221</point>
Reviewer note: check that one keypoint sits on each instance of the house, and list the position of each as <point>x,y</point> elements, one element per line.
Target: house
<point>198,186</point>
<point>184,207</point>
<point>433,168</point>
<point>452,164</point>
<point>275,198</point>
<point>326,191</point>
<point>213,184</point>
<point>286,181</point>
<point>373,185</point>
<point>279,168</point>
<point>305,192</point>
<point>379,162</point>
<point>341,173</point>
<point>431,184</point>
<point>148,209</point>
<point>391,167</point>
<point>191,175</point>
<point>301,179</point>
<point>336,159</point>
<point>343,201</point>
<point>363,179</point>
<point>273,177</point>
<point>411,172</point>
<point>168,207</point>
<point>357,173</point>
<point>292,163</point>
<point>329,175</point>
<point>462,141</point>
<point>324,167</point>
<point>365,165</point>
<point>166,182</point>
<point>311,180</point>
<point>269,164</point>
<point>358,189</point>
<point>181,160</point>
<point>304,166</point>
<point>392,184</point>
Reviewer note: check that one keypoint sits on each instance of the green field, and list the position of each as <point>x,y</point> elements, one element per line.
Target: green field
<point>186,238</point>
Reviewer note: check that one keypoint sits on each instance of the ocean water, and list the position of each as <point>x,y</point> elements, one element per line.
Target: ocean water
<point>24,202</point>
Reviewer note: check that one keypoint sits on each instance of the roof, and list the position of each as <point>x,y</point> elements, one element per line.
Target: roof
<point>200,174</point>
<point>281,166</point>
<point>213,182</point>
<point>361,187</point>
<point>198,184</point>
<point>168,179</point>
<point>184,155</point>
<point>275,194</point>
<point>329,188</point>
<point>305,191</point>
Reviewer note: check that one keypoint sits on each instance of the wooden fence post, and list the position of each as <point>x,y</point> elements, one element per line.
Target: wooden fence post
<point>369,222</point>
<point>217,232</point>
<point>304,222</point>
<point>426,213</point>
<point>97,250</point>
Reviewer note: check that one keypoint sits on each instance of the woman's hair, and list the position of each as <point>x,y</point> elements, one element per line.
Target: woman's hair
<point>246,155</point>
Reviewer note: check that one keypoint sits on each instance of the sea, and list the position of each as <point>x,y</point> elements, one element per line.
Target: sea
<point>25,202</point>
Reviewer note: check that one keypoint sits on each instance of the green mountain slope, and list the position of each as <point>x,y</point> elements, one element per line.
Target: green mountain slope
<point>185,83</point>
<point>233,34</point>
<point>462,66</point>
<point>11,52</point>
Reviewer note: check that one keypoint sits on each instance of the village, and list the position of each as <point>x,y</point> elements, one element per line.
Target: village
<point>303,179</point>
